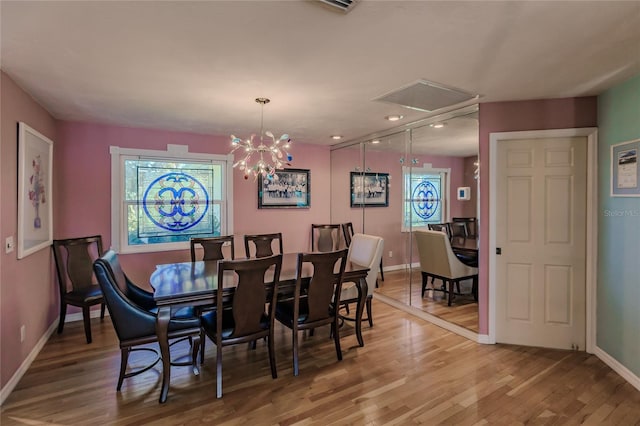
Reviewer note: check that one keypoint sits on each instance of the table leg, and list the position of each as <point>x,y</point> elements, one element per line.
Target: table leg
<point>363,290</point>
<point>162,330</point>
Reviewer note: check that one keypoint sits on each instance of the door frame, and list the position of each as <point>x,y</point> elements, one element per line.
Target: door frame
<point>591,133</point>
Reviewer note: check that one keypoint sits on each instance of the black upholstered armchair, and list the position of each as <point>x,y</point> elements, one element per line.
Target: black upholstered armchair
<point>133,313</point>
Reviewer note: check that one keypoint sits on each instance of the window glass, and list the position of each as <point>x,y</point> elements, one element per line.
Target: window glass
<point>423,198</point>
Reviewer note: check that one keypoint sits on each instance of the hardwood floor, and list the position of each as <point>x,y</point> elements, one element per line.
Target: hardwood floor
<point>463,311</point>
<point>409,372</point>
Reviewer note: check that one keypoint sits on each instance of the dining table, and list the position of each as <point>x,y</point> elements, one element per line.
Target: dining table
<point>183,284</point>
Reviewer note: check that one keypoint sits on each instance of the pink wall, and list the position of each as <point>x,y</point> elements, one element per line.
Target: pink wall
<point>519,116</point>
<point>27,294</point>
<point>385,221</point>
<point>83,163</point>
<point>470,207</point>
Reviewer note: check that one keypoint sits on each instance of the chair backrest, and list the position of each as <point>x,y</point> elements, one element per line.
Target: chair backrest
<point>366,250</point>
<point>262,244</point>
<point>440,227</point>
<point>74,259</point>
<point>325,237</point>
<point>250,294</point>
<point>212,247</point>
<point>437,257</point>
<point>458,229</point>
<point>130,320</point>
<point>347,231</point>
<point>325,283</point>
<point>470,224</point>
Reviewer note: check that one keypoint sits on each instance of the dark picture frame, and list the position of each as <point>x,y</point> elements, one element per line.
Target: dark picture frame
<point>285,189</point>
<point>369,189</point>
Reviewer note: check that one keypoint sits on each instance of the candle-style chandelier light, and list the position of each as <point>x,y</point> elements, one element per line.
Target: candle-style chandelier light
<point>263,155</point>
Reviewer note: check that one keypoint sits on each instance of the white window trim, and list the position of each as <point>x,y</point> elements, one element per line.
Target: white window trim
<point>173,152</point>
<point>427,168</point>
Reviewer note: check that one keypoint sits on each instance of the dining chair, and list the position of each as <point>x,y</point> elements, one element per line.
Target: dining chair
<point>133,313</point>
<point>347,230</point>
<point>212,247</point>
<point>441,227</point>
<point>262,244</point>
<point>470,225</point>
<point>437,260</point>
<point>325,237</point>
<point>74,267</point>
<point>458,229</point>
<point>245,320</point>
<point>317,306</point>
<point>364,251</point>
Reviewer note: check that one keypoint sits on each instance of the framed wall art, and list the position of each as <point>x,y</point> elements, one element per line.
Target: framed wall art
<point>35,218</point>
<point>369,189</point>
<point>287,188</point>
<point>625,169</point>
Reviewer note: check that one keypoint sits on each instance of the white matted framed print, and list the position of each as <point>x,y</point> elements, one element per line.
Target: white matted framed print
<point>625,169</point>
<point>35,215</point>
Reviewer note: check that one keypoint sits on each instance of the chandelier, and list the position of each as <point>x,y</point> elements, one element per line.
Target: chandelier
<point>264,155</point>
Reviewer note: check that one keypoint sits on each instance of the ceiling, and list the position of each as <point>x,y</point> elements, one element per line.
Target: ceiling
<point>198,66</point>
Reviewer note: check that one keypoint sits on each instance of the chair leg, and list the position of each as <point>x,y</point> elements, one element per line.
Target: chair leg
<point>219,369</point>
<point>294,345</point>
<point>63,314</point>
<point>272,356</point>
<point>474,288</point>
<point>203,339</point>
<point>86,316</point>
<point>336,337</point>
<point>424,283</point>
<point>450,292</point>
<point>381,272</point>
<point>124,359</point>
<point>195,348</point>
<point>102,309</point>
<point>369,316</point>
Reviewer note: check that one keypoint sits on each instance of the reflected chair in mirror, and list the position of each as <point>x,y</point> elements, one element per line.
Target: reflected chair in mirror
<point>437,260</point>
<point>262,244</point>
<point>325,237</point>
<point>246,319</point>
<point>133,313</point>
<point>347,230</point>
<point>458,229</point>
<point>470,225</point>
<point>441,227</point>
<point>364,251</point>
<point>316,306</point>
<point>74,259</point>
<point>212,248</point>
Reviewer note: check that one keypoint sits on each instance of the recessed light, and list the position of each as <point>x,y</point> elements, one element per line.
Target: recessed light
<point>375,141</point>
<point>437,125</point>
<point>394,117</point>
<point>336,137</point>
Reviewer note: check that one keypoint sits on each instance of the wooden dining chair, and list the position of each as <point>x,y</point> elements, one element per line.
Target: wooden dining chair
<point>470,225</point>
<point>212,247</point>
<point>262,244</point>
<point>325,237</point>
<point>245,320</point>
<point>441,227</point>
<point>74,259</point>
<point>317,306</point>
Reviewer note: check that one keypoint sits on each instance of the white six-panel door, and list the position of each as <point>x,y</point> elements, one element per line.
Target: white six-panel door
<point>541,232</point>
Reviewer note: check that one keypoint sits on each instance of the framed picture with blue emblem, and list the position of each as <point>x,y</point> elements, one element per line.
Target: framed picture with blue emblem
<point>369,189</point>
<point>285,189</point>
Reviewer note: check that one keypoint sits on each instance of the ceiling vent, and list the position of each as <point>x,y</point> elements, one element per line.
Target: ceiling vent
<point>426,96</point>
<point>343,5</point>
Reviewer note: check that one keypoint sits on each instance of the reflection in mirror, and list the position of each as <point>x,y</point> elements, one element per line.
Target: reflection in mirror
<point>443,149</point>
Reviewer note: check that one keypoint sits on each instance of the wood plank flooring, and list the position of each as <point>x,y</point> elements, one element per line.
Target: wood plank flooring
<point>409,372</point>
<point>463,311</point>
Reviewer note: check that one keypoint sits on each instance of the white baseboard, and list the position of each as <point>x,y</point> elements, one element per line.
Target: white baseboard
<point>11,384</point>
<point>615,365</point>
<point>398,267</point>
<point>480,338</point>
<point>94,313</point>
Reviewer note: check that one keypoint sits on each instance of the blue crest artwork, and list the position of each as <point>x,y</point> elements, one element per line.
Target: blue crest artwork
<point>425,200</point>
<point>175,201</point>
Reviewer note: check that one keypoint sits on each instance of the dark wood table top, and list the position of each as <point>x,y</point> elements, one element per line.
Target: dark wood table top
<point>194,282</point>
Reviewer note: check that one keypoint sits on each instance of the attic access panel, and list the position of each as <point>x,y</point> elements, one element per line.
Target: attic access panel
<point>426,96</point>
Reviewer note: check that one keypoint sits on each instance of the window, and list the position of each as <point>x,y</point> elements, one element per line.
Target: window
<point>425,196</point>
<point>160,199</point>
